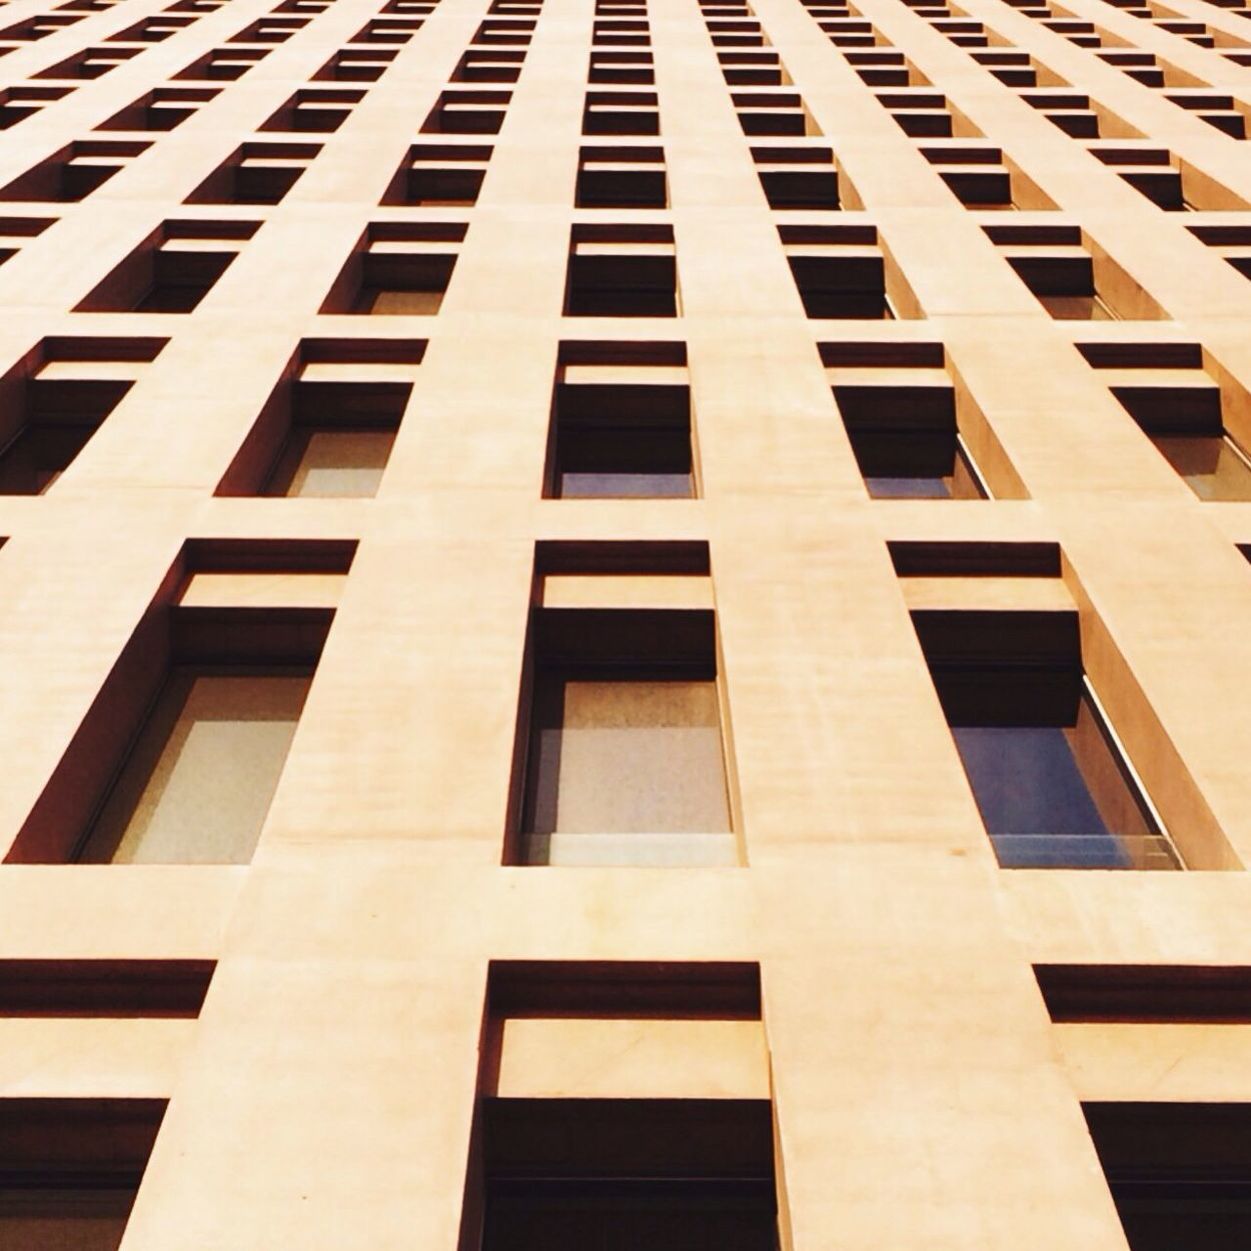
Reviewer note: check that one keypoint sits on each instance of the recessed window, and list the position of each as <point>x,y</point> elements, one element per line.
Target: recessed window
<point>904,433</point>
<point>797,177</point>
<point>464,111</point>
<point>1181,409</point>
<point>440,174</point>
<point>72,1169</point>
<point>621,177</point>
<point>317,110</point>
<point>162,109</point>
<point>622,271</point>
<point>67,388</point>
<point>104,988</point>
<point>328,427</point>
<point>621,423</point>
<point>200,777</point>
<point>398,269</point>
<point>661,1136</point>
<point>75,171</point>
<point>256,173</point>
<point>839,271</point>
<point>1212,465</point>
<point>621,113</point>
<point>172,270</point>
<point>1179,1173</point>
<point>178,759</point>
<point>1051,781</point>
<point>622,737</point>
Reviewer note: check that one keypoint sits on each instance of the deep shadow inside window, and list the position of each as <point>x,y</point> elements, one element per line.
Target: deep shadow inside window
<point>1180,1173</point>
<point>621,1174</point>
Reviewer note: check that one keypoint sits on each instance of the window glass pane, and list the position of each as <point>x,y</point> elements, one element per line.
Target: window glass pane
<point>199,781</point>
<point>626,485</point>
<point>640,760</point>
<point>1057,795</point>
<point>908,488</point>
<point>1211,465</point>
<point>410,303</point>
<point>334,464</point>
<point>959,484</point>
<point>1076,307</point>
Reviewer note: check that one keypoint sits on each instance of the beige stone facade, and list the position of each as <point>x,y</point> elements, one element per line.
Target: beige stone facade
<point>436,429</point>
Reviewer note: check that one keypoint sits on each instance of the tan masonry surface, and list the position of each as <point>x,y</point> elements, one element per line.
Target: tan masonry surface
<point>325,1097</point>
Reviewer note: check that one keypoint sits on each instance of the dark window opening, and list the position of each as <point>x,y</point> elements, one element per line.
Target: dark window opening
<point>172,270</point>
<point>1049,778</point>
<point>906,442</point>
<point>70,1170</point>
<point>666,1174</point>
<point>621,439</point>
<point>397,269</point>
<point>1180,1173</point>
<point>60,396</point>
<point>622,271</point>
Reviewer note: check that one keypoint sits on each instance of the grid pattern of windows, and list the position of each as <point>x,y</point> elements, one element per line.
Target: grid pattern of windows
<point>626,577</point>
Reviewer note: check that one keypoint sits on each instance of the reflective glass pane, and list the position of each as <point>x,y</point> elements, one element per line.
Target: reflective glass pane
<point>1212,467</point>
<point>1076,307</point>
<point>330,464</point>
<point>198,784</point>
<point>629,772</point>
<point>625,485</point>
<point>1054,796</point>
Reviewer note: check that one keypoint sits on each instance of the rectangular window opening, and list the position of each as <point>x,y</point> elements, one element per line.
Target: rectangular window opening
<point>70,1169</point>
<point>1049,776</point>
<point>621,749</point>
<point>179,756</point>
<point>621,429</point>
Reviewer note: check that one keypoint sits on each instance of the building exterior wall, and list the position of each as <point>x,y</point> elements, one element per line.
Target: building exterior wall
<point>325,1096</point>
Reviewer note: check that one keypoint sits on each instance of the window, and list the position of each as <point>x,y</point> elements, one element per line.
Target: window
<point>622,271</point>
<point>104,988</point>
<point>440,174</point>
<point>621,423</point>
<point>223,63</point>
<point>162,109</point>
<point>663,1137</point>
<point>621,177</point>
<point>179,757</point>
<point>1180,1173</point>
<point>172,270</point>
<point>317,110</point>
<point>464,111</point>
<point>898,406</point>
<point>71,1169</point>
<point>1051,782</point>
<point>1180,407</point>
<point>199,779</point>
<point>398,269</point>
<point>621,113</point>
<point>75,171</point>
<point>328,427</point>
<point>668,1174</point>
<point>1071,278</point>
<point>796,177</point>
<point>256,173</point>
<point>65,389</point>
<point>973,170</point>
<point>622,738</point>
<point>839,271</point>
